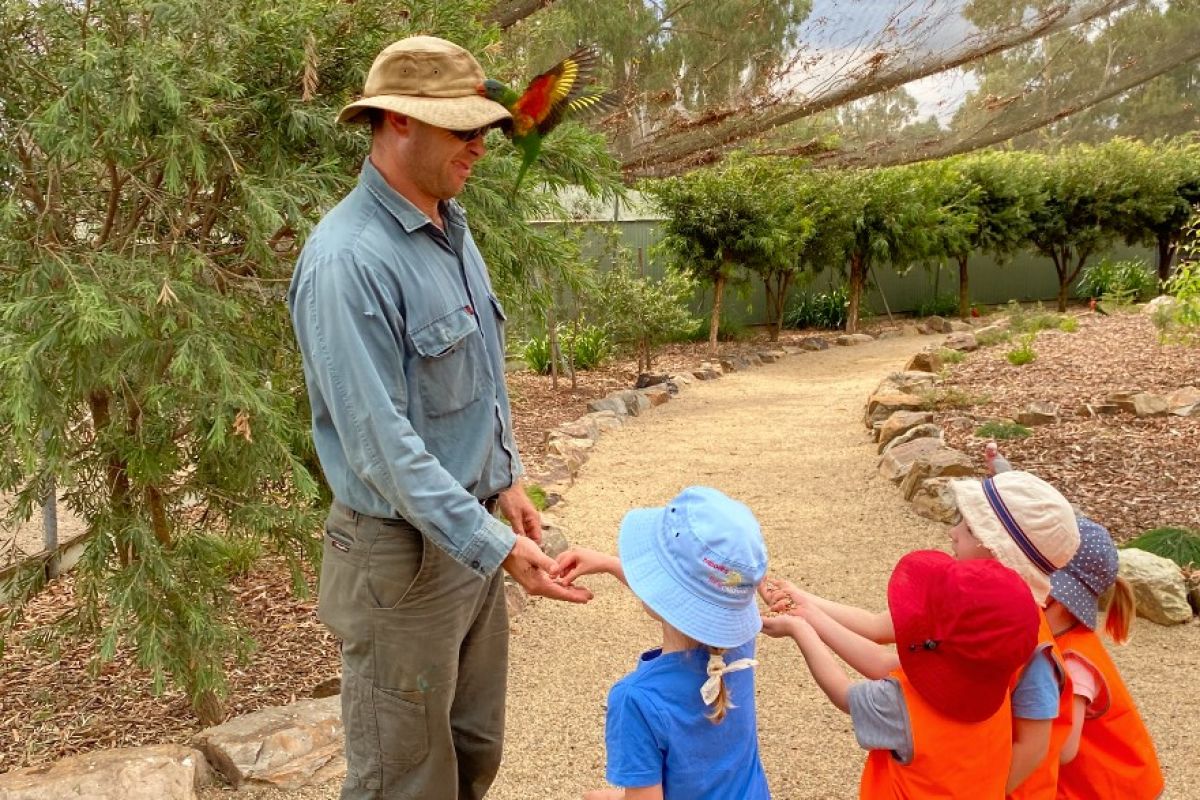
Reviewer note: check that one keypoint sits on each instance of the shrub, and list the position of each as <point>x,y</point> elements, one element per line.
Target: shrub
<point>1181,545</point>
<point>826,310</point>
<point>1180,321</point>
<point>942,399</point>
<point>643,313</point>
<point>1023,353</point>
<point>989,338</point>
<point>589,346</point>
<point>1068,324</point>
<point>1121,282</point>
<point>949,356</point>
<point>536,354</point>
<point>537,495</point>
<point>1024,320</point>
<point>996,429</point>
<point>943,305</point>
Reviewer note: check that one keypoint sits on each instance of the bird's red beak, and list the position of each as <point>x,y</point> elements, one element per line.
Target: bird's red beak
<point>481,90</point>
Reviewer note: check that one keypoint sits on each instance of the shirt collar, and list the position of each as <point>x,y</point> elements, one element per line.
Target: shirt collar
<point>408,215</point>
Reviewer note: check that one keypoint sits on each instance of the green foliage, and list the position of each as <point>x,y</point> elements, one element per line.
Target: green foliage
<point>643,313</point>
<point>537,495</point>
<point>943,305</point>
<point>1180,321</point>
<point>536,354</point>
<point>996,429</point>
<point>826,310</point>
<point>1032,320</point>
<point>988,338</point>
<point>1181,545</point>
<point>588,347</point>
<point>1126,281</point>
<point>1068,324</point>
<point>162,164</point>
<point>1023,353</point>
<point>949,356</point>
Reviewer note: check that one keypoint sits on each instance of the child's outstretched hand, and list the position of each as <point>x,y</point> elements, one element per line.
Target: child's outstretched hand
<point>580,561</point>
<point>782,626</point>
<point>782,596</point>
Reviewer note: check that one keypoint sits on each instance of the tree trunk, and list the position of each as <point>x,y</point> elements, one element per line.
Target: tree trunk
<point>1166,254</point>
<point>714,321</point>
<point>964,294</point>
<point>858,279</point>
<point>552,340</point>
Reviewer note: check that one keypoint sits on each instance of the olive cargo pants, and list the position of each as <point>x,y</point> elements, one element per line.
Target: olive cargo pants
<point>424,661</point>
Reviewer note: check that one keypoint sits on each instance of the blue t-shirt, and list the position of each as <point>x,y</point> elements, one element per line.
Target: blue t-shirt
<point>1038,688</point>
<point>656,730</point>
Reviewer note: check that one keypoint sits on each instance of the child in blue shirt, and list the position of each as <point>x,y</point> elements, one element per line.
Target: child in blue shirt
<point>682,725</point>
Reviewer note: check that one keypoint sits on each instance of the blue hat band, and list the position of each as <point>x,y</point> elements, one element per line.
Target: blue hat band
<point>1014,530</point>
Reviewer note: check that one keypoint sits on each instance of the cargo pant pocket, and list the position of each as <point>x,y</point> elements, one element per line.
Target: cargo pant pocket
<point>387,734</point>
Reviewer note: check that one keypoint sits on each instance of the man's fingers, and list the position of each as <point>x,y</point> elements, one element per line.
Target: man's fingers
<point>557,591</point>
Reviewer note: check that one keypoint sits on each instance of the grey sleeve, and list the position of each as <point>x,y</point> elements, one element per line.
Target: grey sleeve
<point>880,718</point>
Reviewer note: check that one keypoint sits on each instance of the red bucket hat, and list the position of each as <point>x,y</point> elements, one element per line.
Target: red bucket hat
<point>962,629</point>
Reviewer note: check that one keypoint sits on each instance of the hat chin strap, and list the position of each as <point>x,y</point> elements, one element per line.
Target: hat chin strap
<point>717,669</point>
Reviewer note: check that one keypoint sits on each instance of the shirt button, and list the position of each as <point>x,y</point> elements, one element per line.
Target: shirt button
<point>475,564</point>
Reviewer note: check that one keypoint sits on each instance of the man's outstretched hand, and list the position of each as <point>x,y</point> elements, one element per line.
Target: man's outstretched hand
<point>535,571</point>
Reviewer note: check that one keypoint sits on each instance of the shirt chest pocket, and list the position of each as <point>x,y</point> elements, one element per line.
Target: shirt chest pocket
<point>451,362</point>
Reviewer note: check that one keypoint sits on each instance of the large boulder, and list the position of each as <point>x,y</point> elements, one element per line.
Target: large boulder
<point>963,342</point>
<point>907,382</point>
<point>1158,586</point>
<point>851,339</point>
<point>882,406</point>
<point>1184,402</point>
<point>605,420</point>
<point>1039,412</point>
<point>934,499</point>
<point>286,746</point>
<point>159,772</point>
<point>899,423</point>
<point>925,361</point>
<point>657,395</point>
<point>814,343</point>
<point>923,431</point>
<point>897,461</point>
<point>944,462</point>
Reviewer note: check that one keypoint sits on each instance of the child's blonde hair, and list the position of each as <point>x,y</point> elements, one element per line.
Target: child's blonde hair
<point>722,704</point>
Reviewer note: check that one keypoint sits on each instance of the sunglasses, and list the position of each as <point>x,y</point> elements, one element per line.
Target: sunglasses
<point>471,135</point>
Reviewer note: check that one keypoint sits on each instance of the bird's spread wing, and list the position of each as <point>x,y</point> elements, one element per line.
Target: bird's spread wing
<point>561,90</point>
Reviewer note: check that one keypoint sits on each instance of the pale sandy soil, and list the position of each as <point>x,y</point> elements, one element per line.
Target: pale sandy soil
<point>786,439</point>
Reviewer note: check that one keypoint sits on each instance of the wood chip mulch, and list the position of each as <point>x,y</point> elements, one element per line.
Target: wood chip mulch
<point>1129,474</point>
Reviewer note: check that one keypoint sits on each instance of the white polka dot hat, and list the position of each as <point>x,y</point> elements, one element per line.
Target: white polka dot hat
<point>1088,575</point>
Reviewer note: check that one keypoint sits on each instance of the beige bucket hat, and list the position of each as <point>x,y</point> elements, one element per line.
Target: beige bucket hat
<point>429,79</point>
<point>1025,523</point>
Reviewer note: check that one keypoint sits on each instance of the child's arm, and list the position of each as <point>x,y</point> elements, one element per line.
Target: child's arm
<point>868,658</point>
<point>1031,742</point>
<point>580,561</point>
<point>782,595</point>
<point>828,675</point>
<point>1070,747</point>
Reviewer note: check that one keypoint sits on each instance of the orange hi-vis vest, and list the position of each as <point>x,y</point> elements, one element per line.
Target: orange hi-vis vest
<point>951,759</point>
<point>1043,781</point>
<point>1116,758</point>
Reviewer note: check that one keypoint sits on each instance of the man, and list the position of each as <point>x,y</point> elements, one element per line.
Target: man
<point>403,347</point>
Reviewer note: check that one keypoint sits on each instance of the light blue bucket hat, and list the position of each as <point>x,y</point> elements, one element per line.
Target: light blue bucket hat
<point>697,563</point>
<point>1089,574</point>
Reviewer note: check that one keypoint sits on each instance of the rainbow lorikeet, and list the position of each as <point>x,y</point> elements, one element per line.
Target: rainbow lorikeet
<point>562,91</point>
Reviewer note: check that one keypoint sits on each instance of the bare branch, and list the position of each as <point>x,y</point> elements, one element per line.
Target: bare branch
<point>506,14</point>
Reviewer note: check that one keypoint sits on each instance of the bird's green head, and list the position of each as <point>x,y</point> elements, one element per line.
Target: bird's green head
<point>497,92</point>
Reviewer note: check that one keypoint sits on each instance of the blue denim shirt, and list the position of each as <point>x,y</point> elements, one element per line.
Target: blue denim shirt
<point>403,345</point>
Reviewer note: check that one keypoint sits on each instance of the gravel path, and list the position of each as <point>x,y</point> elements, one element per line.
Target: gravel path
<point>786,439</point>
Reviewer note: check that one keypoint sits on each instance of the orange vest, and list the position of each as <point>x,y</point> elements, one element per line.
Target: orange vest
<point>951,759</point>
<point>1116,758</point>
<point>1043,781</point>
